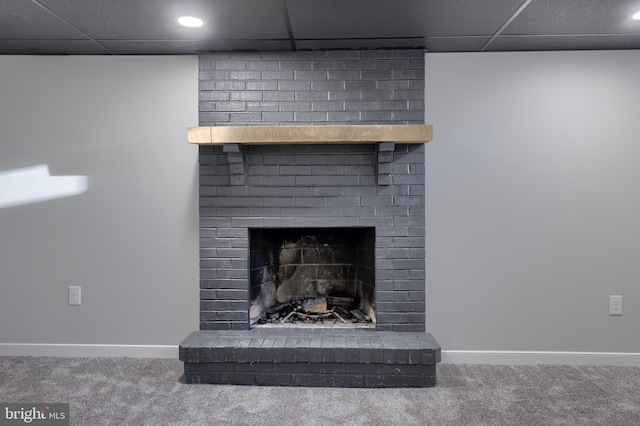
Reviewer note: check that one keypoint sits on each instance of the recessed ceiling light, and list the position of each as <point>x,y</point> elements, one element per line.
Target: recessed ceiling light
<point>636,16</point>
<point>190,21</point>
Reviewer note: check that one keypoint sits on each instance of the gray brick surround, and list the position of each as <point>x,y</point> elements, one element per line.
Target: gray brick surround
<point>312,185</point>
<point>320,87</point>
<point>379,187</point>
<point>296,186</point>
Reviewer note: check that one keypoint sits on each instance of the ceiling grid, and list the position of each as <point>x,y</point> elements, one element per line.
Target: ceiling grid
<point>149,27</point>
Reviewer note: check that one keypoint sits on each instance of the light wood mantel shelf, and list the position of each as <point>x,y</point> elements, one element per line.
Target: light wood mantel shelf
<point>344,134</point>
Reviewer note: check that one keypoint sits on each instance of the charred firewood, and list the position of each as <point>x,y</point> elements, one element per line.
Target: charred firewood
<point>343,302</point>
<point>358,314</point>
<point>335,314</point>
<point>317,305</point>
<point>287,317</point>
<point>279,308</point>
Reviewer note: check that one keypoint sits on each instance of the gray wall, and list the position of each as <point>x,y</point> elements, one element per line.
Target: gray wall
<point>533,204</point>
<point>131,240</point>
<point>532,200</point>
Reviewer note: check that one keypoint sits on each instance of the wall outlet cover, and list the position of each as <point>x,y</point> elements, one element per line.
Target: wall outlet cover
<point>615,305</point>
<point>74,295</point>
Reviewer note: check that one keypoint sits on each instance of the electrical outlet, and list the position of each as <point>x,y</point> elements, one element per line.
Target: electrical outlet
<point>615,305</point>
<point>74,295</point>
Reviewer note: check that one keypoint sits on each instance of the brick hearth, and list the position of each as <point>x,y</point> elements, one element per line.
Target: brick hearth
<point>312,357</point>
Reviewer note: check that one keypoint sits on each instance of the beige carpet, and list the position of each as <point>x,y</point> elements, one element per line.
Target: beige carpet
<point>126,391</point>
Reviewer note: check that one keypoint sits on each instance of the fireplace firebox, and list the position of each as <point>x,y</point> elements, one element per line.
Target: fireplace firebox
<point>312,276</point>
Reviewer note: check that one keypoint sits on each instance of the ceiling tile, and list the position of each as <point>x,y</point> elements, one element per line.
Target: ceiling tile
<point>600,42</point>
<point>25,20</point>
<point>468,17</point>
<point>357,19</point>
<point>455,44</point>
<point>51,47</point>
<point>190,47</point>
<point>385,43</point>
<point>576,17</point>
<point>156,19</point>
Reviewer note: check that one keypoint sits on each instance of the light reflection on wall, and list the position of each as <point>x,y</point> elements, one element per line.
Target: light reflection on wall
<point>34,184</point>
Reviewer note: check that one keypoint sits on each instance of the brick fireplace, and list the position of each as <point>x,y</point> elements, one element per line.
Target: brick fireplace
<point>311,218</point>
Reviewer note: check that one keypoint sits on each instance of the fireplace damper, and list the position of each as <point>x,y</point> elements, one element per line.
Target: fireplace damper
<point>312,276</point>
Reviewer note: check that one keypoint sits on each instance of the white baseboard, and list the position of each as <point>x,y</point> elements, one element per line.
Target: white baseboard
<point>541,357</point>
<point>88,351</point>
<point>448,357</point>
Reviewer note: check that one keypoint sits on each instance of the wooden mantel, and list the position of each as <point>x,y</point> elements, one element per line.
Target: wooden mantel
<point>343,134</point>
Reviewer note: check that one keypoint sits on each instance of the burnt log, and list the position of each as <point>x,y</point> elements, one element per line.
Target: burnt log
<point>358,314</point>
<point>315,306</point>
<point>343,302</point>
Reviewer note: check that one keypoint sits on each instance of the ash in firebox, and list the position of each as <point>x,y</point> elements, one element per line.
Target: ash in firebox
<point>319,310</point>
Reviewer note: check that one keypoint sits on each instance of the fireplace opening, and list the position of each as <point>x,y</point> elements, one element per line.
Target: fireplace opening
<point>322,277</point>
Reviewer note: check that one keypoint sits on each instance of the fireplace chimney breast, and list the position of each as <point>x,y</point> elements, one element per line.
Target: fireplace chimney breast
<point>247,187</point>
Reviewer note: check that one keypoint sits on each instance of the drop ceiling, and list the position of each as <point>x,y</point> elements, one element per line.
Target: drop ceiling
<point>149,27</point>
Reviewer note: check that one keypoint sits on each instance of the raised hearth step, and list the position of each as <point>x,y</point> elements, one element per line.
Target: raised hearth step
<point>311,357</point>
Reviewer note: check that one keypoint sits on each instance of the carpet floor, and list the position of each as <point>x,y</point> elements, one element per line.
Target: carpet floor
<point>128,391</point>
